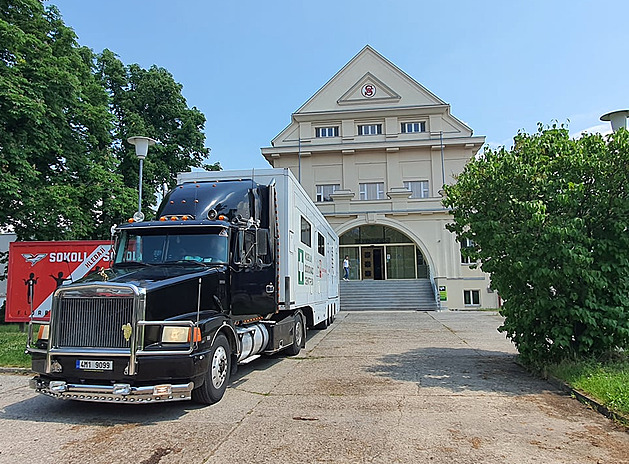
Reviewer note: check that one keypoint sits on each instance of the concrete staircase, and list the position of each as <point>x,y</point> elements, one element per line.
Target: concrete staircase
<point>357,295</point>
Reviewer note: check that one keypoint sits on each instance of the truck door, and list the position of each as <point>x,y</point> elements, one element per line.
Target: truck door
<point>254,281</point>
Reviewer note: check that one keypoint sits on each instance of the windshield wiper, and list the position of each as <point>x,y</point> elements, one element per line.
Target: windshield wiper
<point>186,262</point>
<point>134,264</point>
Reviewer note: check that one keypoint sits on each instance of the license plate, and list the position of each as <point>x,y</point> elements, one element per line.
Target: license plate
<point>93,365</point>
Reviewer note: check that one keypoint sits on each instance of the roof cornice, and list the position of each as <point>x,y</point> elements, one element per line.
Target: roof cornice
<point>370,112</point>
<point>473,142</point>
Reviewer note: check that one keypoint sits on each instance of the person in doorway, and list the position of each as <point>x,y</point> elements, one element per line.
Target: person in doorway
<point>346,268</point>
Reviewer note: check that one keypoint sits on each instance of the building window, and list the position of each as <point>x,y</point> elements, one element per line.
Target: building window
<point>466,243</point>
<point>370,129</point>
<point>327,131</point>
<point>320,244</point>
<point>418,188</point>
<point>471,297</point>
<point>306,232</point>
<point>325,190</point>
<point>408,127</point>
<point>372,191</point>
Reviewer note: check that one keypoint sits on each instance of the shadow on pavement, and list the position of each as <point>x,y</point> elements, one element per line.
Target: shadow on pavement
<point>41,408</point>
<point>460,370</point>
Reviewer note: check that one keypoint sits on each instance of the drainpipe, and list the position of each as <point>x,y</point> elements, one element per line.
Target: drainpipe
<point>443,169</point>
<point>299,160</point>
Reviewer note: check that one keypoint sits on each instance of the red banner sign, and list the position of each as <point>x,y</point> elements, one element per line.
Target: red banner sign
<point>36,269</point>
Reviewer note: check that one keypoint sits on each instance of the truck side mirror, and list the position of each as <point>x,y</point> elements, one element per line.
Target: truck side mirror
<point>246,248</point>
<point>262,241</point>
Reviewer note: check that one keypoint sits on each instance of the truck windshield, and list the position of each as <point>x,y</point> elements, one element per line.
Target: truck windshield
<point>160,247</point>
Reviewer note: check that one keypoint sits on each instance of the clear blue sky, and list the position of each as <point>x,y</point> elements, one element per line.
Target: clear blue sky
<point>247,65</point>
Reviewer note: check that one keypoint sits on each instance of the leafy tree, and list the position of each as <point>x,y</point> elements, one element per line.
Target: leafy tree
<point>58,178</point>
<point>149,102</point>
<point>66,170</point>
<point>550,222</point>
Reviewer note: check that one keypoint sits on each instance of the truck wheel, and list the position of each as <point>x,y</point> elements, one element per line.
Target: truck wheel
<point>217,375</point>
<point>298,330</point>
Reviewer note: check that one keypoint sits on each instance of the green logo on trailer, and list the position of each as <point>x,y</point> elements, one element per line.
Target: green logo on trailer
<point>300,267</point>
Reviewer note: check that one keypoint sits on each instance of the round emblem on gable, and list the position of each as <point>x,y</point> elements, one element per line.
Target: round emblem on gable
<point>368,90</point>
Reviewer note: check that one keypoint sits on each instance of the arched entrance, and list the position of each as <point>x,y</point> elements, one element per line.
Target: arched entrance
<point>380,252</point>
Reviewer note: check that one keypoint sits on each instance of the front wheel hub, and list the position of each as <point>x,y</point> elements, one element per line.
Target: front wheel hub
<point>219,367</point>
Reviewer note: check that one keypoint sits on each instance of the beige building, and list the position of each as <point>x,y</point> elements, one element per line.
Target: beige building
<point>373,148</point>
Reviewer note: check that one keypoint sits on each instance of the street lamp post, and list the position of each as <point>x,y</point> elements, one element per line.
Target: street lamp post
<point>141,150</point>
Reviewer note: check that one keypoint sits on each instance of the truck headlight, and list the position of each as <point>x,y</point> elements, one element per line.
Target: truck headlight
<point>173,334</point>
<point>42,334</point>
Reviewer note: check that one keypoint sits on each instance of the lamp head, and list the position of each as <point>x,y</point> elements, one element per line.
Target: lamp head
<point>617,118</point>
<point>141,145</point>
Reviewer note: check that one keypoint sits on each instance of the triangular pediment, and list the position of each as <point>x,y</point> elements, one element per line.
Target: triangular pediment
<point>350,86</point>
<point>369,89</point>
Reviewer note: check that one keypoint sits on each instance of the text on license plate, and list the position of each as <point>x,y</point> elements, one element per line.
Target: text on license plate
<point>93,365</point>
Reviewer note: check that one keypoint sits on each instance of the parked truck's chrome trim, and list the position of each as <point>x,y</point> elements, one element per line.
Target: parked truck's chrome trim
<point>136,340</point>
<point>119,392</point>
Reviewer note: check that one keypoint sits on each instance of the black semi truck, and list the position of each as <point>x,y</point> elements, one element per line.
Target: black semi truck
<point>236,264</point>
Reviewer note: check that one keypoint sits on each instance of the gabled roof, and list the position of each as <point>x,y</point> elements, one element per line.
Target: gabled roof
<point>393,86</point>
<point>370,86</point>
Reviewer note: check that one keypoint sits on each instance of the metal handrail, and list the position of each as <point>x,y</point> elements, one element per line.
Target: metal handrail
<point>434,288</point>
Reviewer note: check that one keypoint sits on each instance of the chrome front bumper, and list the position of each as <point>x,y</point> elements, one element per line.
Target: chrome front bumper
<point>116,393</point>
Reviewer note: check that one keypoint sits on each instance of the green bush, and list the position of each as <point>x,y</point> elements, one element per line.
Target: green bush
<point>550,220</point>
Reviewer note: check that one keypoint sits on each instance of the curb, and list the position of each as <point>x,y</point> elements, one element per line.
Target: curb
<point>617,417</point>
<point>16,370</point>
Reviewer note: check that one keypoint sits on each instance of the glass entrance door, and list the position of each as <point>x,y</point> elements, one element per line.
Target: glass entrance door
<point>372,263</point>
<point>366,260</point>
<point>379,252</point>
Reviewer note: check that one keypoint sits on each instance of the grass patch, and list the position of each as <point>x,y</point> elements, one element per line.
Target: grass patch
<point>607,383</point>
<point>12,346</point>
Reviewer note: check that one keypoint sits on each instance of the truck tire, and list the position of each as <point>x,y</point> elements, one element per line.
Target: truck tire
<point>298,330</point>
<point>217,375</point>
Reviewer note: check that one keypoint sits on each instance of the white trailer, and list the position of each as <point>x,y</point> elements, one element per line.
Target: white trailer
<point>308,258</point>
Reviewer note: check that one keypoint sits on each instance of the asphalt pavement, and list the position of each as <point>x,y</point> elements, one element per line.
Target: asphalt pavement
<point>375,387</point>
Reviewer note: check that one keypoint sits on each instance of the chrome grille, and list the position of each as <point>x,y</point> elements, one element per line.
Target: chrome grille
<point>92,322</point>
